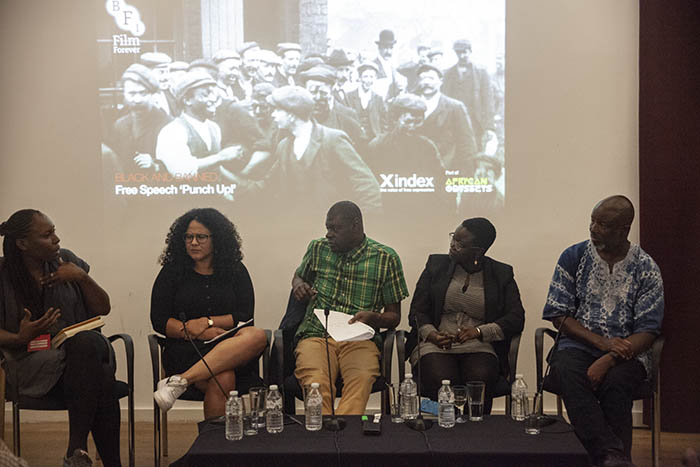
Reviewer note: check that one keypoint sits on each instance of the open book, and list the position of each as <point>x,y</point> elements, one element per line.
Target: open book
<point>70,331</point>
<point>340,330</point>
<point>230,331</point>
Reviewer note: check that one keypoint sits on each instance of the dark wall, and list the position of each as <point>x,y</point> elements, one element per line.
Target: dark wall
<point>669,168</point>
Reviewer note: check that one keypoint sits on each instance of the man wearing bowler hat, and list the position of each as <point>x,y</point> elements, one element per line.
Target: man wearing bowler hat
<point>472,86</point>
<point>192,141</point>
<point>314,164</point>
<point>389,82</point>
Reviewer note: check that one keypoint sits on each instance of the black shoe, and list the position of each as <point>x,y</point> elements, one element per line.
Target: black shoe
<point>615,460</point>
<point>79,458</point>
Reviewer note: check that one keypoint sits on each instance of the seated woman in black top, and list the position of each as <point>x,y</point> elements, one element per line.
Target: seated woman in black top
<point>204,287</point>
<point>467,307</point>
<point>44,288</point>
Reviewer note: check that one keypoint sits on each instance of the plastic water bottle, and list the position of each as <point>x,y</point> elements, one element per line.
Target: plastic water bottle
<point>313,409</point>
<point>408,397</point>
<point>234,417</point>
<point>446,405</point>
<point>518,398</point>
<point>273,414</point>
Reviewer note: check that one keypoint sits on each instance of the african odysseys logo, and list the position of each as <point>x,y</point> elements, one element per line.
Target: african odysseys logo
<point>394,183</point>
<point>126,16</point>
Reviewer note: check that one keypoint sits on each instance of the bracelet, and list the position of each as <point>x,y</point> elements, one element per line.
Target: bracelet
<point>479,331</point>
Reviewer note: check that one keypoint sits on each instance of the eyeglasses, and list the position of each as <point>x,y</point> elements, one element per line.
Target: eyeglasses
<point>458,246</point>
<point>201,238</point>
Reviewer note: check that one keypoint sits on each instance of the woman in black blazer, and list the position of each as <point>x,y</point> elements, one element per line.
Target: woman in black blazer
<point>465,309</point>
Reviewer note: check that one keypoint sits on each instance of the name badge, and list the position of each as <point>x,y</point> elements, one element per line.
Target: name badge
<point>42,342</point>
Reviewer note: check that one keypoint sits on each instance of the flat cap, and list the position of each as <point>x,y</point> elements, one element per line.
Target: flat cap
<point>247,46</point>
<point>268,56</point>
<point>323,73</point>
<point>408,103</point>
<point>225,54</point>
<point>461,44</point>
<point>282,47</point>
<point>141,74</point>
<point>262,90</point>
<point>308,63</point>
<point>428,67</point>
<point>367,66</point>
<point>190,80</point>
<point>204,64</point>
<point>178,66</point>
<point>154,59</point>
<point>293,99</point>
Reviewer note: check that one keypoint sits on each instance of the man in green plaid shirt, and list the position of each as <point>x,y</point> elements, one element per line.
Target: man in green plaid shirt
<point>347,272</point>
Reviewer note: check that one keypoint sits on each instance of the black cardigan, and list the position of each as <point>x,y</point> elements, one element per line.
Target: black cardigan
<point>501,295</point>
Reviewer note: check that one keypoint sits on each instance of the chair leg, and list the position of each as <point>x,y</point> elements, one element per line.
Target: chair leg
<point>655,429</point>
<point>2,398</point>
<point>560,408</point>
<point>164,432</point>
<point>156,435</point>
<point>15,429</point>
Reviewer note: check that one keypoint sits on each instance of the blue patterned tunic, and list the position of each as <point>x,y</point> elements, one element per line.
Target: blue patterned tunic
<point>627,301</point>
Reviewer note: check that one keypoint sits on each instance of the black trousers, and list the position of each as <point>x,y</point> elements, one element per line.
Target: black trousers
<point>602,417</point>
<point>459,369</point>
<point>87,386</point>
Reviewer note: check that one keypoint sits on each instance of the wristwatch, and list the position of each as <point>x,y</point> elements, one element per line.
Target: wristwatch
<point>210,322</point>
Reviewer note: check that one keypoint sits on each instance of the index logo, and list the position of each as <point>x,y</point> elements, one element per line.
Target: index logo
<point>126,16</point>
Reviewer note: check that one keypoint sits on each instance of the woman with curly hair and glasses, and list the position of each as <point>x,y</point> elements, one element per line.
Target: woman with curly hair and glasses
<point>202,291</point>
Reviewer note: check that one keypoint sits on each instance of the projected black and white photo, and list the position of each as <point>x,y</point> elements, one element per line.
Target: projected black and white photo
<point>397,105</point>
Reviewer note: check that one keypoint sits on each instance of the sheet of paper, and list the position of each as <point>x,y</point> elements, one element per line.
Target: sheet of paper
<point>340,330</point>
<point>222,335</point>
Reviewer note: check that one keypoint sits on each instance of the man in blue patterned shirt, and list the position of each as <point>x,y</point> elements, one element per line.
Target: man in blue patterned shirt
<point>606,297</point>
<point>347,272</point>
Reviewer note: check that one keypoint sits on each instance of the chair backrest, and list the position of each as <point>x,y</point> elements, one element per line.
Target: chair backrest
<point>507,369</point>
<point>645,391</point>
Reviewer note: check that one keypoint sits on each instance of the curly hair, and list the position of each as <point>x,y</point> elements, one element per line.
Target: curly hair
<point>227,242</point>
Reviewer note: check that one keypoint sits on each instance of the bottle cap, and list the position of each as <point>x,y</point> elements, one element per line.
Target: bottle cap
<point>273,387</point>
<point>233,393</point>
<point>445,381</point>
<point>409,375</point>
<point>314,385</point>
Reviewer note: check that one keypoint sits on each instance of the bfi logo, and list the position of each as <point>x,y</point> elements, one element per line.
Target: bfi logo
<point>126,16</point>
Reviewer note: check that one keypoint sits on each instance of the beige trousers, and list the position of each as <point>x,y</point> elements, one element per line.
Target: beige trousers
<point>358,363</point>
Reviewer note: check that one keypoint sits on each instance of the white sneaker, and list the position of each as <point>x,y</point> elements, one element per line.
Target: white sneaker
<point>169,389</point>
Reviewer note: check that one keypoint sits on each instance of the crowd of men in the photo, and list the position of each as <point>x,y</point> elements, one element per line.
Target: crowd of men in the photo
<point>406,120</point>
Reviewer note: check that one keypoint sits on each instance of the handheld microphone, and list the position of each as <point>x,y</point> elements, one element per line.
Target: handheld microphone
<point>183,318</point>
<point>419,423</point>
<point>333,423</point>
